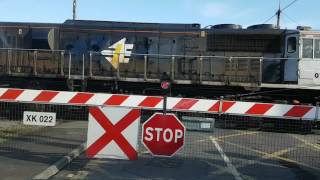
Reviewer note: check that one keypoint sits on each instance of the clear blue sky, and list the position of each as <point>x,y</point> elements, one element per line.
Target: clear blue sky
<point>206,12</point>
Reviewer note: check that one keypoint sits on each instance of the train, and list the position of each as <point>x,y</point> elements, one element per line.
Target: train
<point>259,62</point>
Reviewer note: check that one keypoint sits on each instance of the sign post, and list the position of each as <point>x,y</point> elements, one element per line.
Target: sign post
<point>165,84</point>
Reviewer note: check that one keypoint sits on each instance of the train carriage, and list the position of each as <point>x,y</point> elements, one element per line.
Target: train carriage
<point>131,57</point>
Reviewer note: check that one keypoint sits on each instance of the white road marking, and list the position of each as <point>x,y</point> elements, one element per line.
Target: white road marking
<point>230,166</point>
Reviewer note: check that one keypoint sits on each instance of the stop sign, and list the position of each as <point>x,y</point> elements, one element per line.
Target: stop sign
<point>163,135</point>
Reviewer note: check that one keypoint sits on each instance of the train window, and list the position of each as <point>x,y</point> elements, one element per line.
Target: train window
<point>40,39</point>
<point>292,44</point>
<point>307,48</point>
<point>317,48</point>
<point>95,48</point>
<point>9,40</point>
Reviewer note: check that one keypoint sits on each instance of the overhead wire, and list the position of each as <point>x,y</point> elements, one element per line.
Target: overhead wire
<point>269,19</point>
<point>290,4</point>
<point>291,19</point>
<point>280,10</point>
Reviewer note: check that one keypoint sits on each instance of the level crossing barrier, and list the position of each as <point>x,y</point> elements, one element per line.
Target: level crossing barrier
<point>153,102</point>
<point>223,137</point>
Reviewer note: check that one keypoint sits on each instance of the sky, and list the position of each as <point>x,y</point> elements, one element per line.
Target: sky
<point>205,12</point>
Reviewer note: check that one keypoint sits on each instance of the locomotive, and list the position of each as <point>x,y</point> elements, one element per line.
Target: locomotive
<point>260,61</point>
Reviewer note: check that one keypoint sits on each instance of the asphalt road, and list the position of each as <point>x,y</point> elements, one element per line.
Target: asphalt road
<point>25,155</point>
<point>220,154</point>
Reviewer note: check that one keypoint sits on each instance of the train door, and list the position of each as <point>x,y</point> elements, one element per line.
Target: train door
<point>316,56</point>
<point>309,66</point>
<point>292,57</point>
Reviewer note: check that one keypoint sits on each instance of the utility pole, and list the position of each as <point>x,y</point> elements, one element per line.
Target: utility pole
<point>279,12</point>
<point>74,12</point>
<point>278,16</point>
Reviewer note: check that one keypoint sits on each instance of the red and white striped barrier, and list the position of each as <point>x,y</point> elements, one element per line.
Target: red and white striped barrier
<point>153,102</point>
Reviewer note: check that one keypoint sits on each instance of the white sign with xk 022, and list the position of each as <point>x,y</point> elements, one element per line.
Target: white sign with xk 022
<point>39,118</point>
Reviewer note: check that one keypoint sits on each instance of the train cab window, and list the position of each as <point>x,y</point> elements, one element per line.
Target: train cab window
<point>317,48</point>
<point>291,44</point>
<point>307,48</point>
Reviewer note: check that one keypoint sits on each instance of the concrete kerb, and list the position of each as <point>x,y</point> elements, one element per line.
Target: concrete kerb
<point>57,166</point>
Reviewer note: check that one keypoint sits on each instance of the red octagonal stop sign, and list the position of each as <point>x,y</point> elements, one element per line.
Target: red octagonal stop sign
<point>163,135</point>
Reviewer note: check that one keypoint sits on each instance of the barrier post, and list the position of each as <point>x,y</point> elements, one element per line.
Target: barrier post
<point>164,104</point>
<point>220,104</point>
<point>165,84</point>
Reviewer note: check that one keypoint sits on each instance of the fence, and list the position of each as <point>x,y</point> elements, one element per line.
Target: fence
<point>222,139</point>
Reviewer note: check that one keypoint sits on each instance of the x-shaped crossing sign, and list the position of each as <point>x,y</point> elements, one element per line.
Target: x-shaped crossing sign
<point>113,132</point>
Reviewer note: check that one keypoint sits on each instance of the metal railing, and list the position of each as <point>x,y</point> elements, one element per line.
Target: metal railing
<point>141,67</point>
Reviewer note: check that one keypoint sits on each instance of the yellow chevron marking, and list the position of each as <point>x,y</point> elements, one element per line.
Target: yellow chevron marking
<point>274,155</point>
<point>235,135</point>
<point>268,156</point>
<point>315,146</point>
<point>227,136</point>
<point>280,152</point>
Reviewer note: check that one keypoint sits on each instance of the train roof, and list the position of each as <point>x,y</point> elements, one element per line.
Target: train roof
<point>90,24</point>
<point>223,28</point>
<point>27,24</point>
<point>251,31</point>
<point>130,25</point>
<point>235,29</point>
